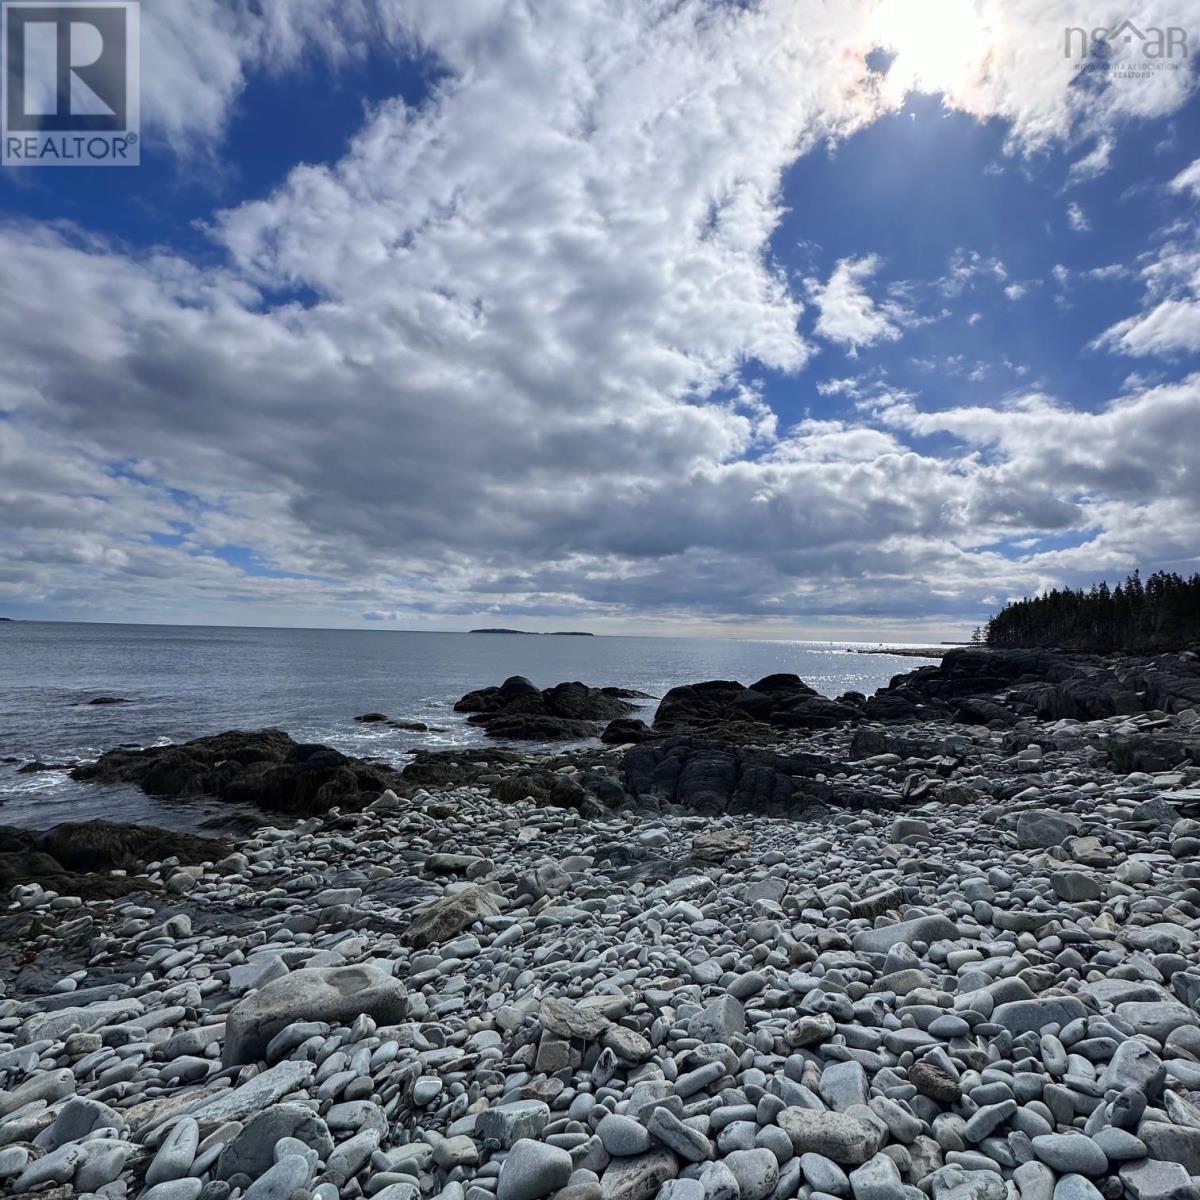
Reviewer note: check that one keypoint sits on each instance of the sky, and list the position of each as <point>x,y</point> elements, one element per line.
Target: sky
<point>725,317</point>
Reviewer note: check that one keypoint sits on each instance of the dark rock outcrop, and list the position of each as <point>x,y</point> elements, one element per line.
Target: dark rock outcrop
<point>264,768</point>
<point>726,708</point>
<point>74,859</point>
<point>441,768</point>
<point>378,718</point>
<point>1048,685</point>
<point>1000,687</point>
<point>711,777</point>
<point>624,730</point>
<point>519,710</point>
<point>1153,752</point>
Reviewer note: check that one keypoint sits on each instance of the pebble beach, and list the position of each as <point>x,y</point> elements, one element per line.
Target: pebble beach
<point>979,981</point>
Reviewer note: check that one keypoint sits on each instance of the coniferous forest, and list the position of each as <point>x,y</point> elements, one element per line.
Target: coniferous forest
<point>1159,613</point>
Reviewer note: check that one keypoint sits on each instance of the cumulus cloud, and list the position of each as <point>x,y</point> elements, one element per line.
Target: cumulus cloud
<point>1169,322</point>
<point>1077,219</point>
<point>846,311</point>
<point>496,355</point>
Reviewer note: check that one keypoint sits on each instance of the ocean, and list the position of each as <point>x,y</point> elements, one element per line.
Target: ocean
<point>183,682</point>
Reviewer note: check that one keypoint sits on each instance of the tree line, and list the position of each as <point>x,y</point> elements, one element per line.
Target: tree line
<point>1137,616</point>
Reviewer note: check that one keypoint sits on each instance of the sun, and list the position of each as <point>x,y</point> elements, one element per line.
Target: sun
<point>939,45</point>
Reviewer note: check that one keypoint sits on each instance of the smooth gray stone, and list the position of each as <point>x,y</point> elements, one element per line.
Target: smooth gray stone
<point>1032,1016</point>
<point>104,1162</point>
<point>1076,1187</point>
<point>1035,1180</point>
<point>824,1175</point>
<point>1119,1145</point>
<point>1172,1143</point>
<point>1152,1179</point>
<point>333,994</point>
<point>80,1117</point>
<point>174,1189</point>
<point>681,1189</point>
<point>532,1170</point>
<point>1070,1153</point>
<point>847,1140</point>
<point>252,1152</point>
<point>57,1167</point>
<point>1157,1020</point>
<point>878,1179</point>
<point>636,1178</point>
<point>690,1144</point>
<point>1134,1065</point>
<point>931,928</point>
<point>288,1175</point>
<point>756,1172</point>
<point>13,1160</point>
<point>844,1084</point>
<point>623,1137</point>
<point>175,1154</point>
<point>47,1085</point>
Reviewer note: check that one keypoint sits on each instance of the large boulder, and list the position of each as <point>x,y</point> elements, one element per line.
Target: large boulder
<point>335,995</point>
<point>449,915</point>
<point>265,768</point>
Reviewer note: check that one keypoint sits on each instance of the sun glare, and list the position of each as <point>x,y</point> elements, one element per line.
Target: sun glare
<point>939,45</point>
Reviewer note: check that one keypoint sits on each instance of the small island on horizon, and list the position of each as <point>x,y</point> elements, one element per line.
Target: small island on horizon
<point>534,633</point>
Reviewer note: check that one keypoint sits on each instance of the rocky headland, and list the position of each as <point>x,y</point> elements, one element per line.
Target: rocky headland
<point>939,942</point>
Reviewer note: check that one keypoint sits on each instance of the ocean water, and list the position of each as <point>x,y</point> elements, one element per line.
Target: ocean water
<point>186,681</point>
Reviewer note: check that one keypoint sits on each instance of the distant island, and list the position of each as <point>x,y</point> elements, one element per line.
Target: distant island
<point>532,633</point>
<point>6,618</point>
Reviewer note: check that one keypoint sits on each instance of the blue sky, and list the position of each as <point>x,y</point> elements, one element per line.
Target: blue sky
<point>703,318</point>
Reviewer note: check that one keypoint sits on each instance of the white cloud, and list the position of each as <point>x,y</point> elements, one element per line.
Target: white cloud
<point>846,311</point>
<point>1095,162</point>
<point>967,268</point>
<point>1077,219</point>
<point>1188,180</point>
<point>1169,322</point>
<point>520,378</point>
<point>1170,326</point>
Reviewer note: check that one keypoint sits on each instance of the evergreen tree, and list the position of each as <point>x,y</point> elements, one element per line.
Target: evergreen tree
<point>1136,616</point>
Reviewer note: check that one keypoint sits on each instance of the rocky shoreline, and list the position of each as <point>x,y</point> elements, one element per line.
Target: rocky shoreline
<point>939,942</point>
